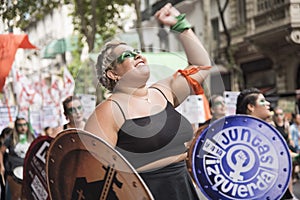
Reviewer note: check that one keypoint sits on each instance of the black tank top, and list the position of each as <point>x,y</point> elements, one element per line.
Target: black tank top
<point>147,139</point>
<point>281,129</point>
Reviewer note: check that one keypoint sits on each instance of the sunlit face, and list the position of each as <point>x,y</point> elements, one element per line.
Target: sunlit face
<point>278,115</point>
<point>128,59</point>
<point>75,111</point>
<point>131,68</point>
<point>261,109</point>
<point>22,126</point>
<point>218,107</point>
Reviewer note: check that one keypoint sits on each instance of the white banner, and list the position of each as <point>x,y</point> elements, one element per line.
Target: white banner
<point>193,109</point>
<point>5,114</point>
<point>230,101</point>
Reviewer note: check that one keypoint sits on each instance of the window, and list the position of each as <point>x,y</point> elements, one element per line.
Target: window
<point>241,12</point>
<point>259,73</point>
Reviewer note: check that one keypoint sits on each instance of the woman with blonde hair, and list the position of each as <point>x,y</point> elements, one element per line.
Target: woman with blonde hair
<point>141,121</point>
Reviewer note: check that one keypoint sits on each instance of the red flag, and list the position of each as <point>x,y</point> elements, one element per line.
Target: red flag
<point>9,43</point>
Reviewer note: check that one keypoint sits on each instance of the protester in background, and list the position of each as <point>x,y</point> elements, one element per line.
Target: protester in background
<point>217,107</point>
<point>217,110</point>
<point>73,112</point>
<point>282,125</point>
<point>48,131</point>
<point>295,135</point>
<point>17,145</point>
<point>140,121</point>
<point>6,132</point>
<point>295,131</point>
<point>252,102</point>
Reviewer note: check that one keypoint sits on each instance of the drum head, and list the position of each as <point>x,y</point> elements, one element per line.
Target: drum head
<point>82,166</point>
<point>18,173</point>
<point>240,157</point>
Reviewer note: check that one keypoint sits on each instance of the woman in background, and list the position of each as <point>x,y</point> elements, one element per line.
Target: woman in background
<point>252,102</point>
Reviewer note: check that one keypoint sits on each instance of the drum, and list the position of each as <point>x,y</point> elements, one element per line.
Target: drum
<point>18,174</point>
<point>240,157</point>
<point>82,166</point>
<point>14,181</point>
<point>34,185</point>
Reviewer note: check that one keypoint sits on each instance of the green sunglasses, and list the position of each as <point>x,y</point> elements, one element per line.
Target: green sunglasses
<point>73,110</point>
<point>127,54</point>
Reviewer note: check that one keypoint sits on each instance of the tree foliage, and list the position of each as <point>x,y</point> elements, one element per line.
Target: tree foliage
<point>90,17</point>
<point>94,20</point>
<point>21,13</point>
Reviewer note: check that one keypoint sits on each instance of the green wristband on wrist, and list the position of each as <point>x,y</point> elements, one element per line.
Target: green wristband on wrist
<point>181,25</point>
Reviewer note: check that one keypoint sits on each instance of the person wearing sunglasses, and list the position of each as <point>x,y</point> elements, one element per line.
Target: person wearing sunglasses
<point>252,102</point>
<point>295,135</point>
<point>73,112</point>
<point>139,120</point>
<point>282,125</point>
<point>217,107</point>
<point>16,144</point>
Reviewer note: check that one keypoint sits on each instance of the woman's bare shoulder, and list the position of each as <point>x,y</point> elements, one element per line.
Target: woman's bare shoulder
<point>103,122</point>
<point>101,114</point>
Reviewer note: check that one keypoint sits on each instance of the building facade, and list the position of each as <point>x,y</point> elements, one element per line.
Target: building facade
<point>263,37</point>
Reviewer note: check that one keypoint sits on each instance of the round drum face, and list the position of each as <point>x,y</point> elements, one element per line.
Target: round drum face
<point>241,157</point>
<point>82,166</point>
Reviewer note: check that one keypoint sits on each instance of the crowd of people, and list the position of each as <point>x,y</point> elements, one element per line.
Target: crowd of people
<point>134,108</point>
<point>16,140</point>
<point>252,102</point>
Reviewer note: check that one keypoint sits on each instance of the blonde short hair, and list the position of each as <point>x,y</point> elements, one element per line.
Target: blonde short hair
<point>106,61</point>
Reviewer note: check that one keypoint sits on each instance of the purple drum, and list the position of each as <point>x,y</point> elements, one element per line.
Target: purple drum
<point>240,157</point>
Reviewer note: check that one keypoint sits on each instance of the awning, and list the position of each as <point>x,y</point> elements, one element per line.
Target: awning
<point>175,60</point>
<point>60,46</point>
<point>162,64</point>
<point>165,64</point>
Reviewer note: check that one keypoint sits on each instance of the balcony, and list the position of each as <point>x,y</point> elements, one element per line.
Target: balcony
<point>274,20</point>
<point>273,26</point>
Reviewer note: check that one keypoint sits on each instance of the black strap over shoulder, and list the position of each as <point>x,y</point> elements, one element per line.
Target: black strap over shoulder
<point>119,107</point>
